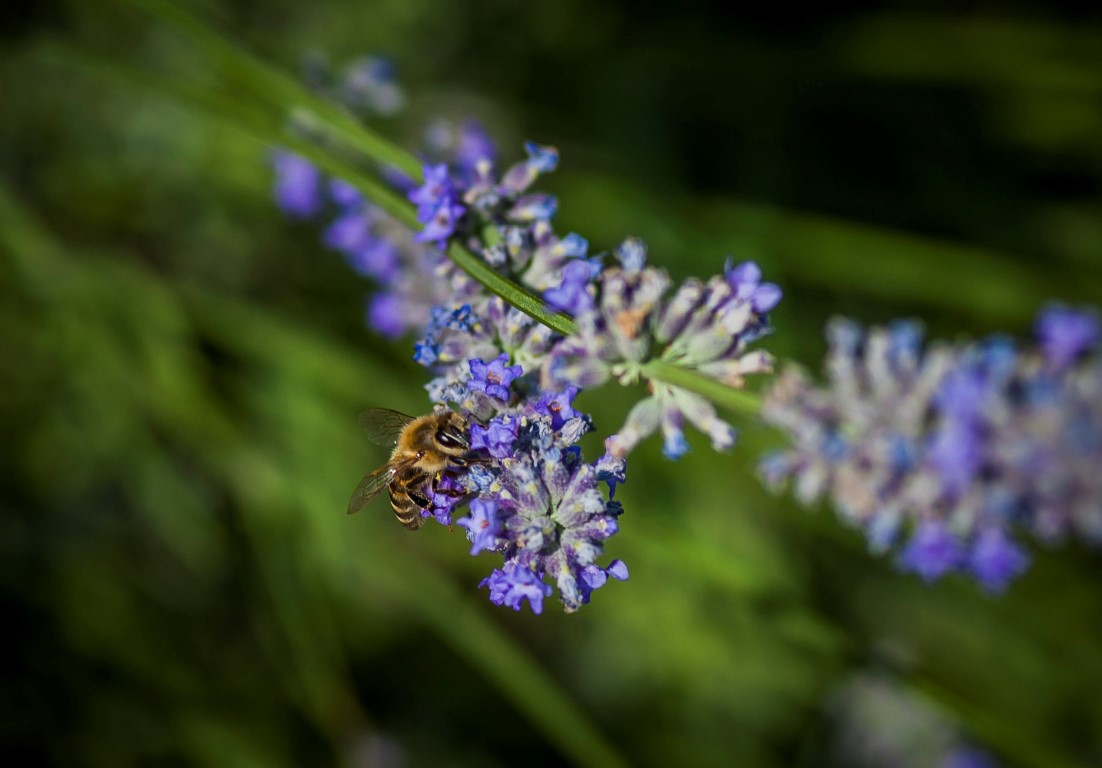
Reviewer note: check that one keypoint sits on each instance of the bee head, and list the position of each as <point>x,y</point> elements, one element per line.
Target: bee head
<point>452,437</point>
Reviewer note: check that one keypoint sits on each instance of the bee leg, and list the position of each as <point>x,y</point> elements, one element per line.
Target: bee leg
<point>472,457</point>
<point>419,490</point>
<point>422,501</point>
<point>453,493</point>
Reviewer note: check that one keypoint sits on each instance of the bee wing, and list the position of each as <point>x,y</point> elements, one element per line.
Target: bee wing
<point>383,425</point>
<point>370,487</point>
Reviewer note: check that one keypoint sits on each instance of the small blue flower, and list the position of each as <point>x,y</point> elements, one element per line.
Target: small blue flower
<point>498,438</point>
<point>298,184</point>
<point>521,176</point>
<point>384,314</point>
<point>955,452</point>
<point>572,246</point>
<point>1065,334</point>
<point>996,560</point>
<point>612,470</point>
<point>483,526</point>
<point>494,377</point>
<point>438,206</point>
<point>344,194</point>
<point>379,259</point>
<point>932,551</point>
<point>904,342</point>
<point>542,159</point>
<point>674,444</point>
<point>349,233</point>
<point>746,280</point>
<point>441,224</point>
<point>558,406</point>
<point>535,207</point>
<point>474,147</point>
<point>632,254</point>
<point>573,294</point>
<point>436,190</point>
<point>513,584</point>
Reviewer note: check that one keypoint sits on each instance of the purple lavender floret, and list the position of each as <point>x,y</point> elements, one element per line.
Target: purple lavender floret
<point>996,560</point>
<point>964,448</point>
<point>932,551</point>
<point>540,160</point>
<point>438,206</point>
<point>349,233</point>
<point>497,439</point>
<point>574,294</point>
<point>557,521</point>
<point>379,259</point>
<point>1065,334</point>
<point>436,189</point>
<point>344,194</point>
<point>385,315</point>
<point>551,522</point>
<point>483,526</point>
<point>746,280</point>
<point>494,377</point>
<point>558,406</point>
<point>298,185</point>
<point>473,147</point>
<point>611,469</point>
<point>532,208</point>
<point>514,583</point>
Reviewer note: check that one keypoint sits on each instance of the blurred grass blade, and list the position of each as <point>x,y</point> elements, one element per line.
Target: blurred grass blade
<point>269,129</point>
<point>279,89</point>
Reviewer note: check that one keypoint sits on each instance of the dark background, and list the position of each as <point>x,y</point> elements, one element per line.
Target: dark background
<point>182,367</point>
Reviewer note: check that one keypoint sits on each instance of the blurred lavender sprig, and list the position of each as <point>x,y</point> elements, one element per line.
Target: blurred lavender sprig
<point>949,455</point>
<point>876,721</point>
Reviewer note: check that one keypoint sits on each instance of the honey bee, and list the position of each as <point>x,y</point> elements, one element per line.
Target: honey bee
<point>424,448</point>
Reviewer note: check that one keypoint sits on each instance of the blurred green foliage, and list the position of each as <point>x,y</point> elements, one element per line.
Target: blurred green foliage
<point>182,368</point>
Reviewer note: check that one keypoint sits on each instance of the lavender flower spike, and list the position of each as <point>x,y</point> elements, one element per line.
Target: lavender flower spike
<point>961,449</point>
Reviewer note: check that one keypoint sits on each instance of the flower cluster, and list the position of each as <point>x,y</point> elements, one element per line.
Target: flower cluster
<point>529,493</point>
<point>958,448</point>
<point>703,326</point>
<point>540,505</point>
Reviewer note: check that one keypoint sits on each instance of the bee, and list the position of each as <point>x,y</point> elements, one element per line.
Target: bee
<point>424,448</point>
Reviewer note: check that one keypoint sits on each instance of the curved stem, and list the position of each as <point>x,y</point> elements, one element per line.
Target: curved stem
<point>736,400</point>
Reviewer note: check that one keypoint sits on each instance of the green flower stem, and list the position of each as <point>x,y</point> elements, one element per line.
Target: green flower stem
<point>736,400</point>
